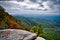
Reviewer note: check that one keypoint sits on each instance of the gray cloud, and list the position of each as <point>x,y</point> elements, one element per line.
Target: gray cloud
<point>9,5</point>
<point>20,0</point>
<point>57,2</point>
<point>33,0</point>
<point>34,5</point>
<point>5,0</point>
<point>11,0</point>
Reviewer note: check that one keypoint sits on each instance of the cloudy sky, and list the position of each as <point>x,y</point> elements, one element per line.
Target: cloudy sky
<point>31,6</point>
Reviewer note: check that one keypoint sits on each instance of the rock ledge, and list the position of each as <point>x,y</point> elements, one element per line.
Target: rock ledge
<point>15,34</point>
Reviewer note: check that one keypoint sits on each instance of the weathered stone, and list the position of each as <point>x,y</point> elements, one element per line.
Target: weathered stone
<point>14,34</point>
<point>39,38</point>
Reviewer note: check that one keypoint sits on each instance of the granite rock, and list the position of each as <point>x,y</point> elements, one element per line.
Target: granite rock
<point>17,34</point>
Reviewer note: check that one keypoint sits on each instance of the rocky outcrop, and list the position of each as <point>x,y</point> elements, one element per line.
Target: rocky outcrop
<point>39,38</point>
<point>15,34</point>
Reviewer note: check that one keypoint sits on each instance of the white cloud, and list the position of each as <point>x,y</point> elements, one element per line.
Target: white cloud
<point>27,6</point>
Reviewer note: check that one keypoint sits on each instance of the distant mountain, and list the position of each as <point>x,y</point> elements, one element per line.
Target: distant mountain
<point>50,24</point>
<point>46,21</point>
<point>28,23</point>
<point>8,21</point>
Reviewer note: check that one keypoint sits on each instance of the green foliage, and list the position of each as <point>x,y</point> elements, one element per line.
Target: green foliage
<point>38,30</point>
<point>3,18</point>
<point>28,23</point>
<point>1,9</point>
<point>52,34</point>
<point>8,21</point>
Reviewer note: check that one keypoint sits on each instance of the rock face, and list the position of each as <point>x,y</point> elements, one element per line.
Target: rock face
<point>39,38</point>
<point>14,34</point>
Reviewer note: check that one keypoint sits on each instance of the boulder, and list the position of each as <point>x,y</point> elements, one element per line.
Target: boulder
<point>39,38</point>
<point>15,34</point>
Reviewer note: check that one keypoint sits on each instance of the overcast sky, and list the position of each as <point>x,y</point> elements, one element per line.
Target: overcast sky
<point>31,6</point>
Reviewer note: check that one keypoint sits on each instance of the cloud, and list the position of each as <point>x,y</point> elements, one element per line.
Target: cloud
<point>38,6</point>
<point>27,4</point>
<point>33,0</point>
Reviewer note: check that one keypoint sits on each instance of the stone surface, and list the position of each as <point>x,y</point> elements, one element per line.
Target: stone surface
<point>15,34</point>
<point>39,38</point>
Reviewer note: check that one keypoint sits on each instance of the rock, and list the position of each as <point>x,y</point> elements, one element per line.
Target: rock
<point>15,34</point>
<point>39,38</point>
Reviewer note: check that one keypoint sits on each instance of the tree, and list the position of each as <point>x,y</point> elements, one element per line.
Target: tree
<point>38,30</point>
<point>2,10</point>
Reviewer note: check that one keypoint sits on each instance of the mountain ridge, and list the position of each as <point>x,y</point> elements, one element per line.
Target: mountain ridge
<point>8,21</point>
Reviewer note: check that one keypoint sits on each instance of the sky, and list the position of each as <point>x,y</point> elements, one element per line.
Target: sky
<point>31,6</point>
